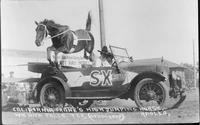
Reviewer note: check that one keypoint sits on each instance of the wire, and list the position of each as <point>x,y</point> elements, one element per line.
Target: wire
<point>17,65</point>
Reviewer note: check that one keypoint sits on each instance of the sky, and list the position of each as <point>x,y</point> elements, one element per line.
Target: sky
<point>146,28</point>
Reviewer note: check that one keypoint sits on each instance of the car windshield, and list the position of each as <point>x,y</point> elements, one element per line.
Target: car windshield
<point>120,54</point>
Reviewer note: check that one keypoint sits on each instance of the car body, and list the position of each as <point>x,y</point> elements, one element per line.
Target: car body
<point>81,86</point>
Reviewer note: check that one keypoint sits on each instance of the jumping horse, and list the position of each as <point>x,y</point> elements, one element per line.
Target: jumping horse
<point>64,40</point>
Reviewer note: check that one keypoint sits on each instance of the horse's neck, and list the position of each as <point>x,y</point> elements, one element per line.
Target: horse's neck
<point>57,41</point>
<point>63,28</point>
<point>54,30</point>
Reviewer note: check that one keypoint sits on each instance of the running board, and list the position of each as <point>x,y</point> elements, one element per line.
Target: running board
<point>92,98</point>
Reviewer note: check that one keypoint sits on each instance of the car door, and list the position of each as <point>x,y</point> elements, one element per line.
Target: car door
<point>94,82</point>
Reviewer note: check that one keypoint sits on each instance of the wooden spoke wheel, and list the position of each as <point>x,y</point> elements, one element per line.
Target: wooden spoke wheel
<point>150,93</point>
<point>52,95</point>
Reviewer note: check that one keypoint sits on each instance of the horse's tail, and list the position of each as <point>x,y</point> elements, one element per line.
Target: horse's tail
<point>89,22</point>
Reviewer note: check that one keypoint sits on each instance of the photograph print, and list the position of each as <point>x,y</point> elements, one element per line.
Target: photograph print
<point>99,61</point>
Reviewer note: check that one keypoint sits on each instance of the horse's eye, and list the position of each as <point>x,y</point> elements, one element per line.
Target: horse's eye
<point>41,28</point>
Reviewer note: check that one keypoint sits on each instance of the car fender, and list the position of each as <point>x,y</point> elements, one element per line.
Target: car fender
<point>58,81</point>
<point>147,74</point>
<point>140,76</point>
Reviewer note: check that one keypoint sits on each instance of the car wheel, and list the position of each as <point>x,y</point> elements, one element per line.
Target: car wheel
<point>150,94</point>
<point>52,95</point>
<point>83,103</point>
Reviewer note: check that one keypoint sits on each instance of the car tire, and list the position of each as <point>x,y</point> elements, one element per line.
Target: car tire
<point>159,88</point>
<point>52,95</point>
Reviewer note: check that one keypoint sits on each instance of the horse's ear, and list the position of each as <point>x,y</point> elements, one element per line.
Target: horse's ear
<point>36,22</point>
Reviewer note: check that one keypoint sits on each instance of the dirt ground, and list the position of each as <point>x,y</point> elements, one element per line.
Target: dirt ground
<point>188,112</point>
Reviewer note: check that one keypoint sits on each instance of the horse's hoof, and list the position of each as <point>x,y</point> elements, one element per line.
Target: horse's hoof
<point>57,66</point>
<point>91,60</point>
<point>51,64</point>
<point>86,57</point>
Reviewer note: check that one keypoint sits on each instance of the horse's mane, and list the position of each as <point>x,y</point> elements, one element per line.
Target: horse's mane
<point>52,23</point>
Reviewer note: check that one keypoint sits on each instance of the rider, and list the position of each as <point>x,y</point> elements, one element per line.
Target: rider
<point>105,59</point>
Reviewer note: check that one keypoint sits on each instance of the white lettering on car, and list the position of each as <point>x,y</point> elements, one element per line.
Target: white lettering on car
<point>102,78</point>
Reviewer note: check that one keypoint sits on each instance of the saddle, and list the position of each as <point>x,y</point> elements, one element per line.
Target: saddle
<point>80,34</point>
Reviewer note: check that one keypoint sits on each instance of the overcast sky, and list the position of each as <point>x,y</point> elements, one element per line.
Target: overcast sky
<point>147,28</point>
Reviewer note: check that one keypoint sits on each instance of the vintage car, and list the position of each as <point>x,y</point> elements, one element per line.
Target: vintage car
<point>81,86</point>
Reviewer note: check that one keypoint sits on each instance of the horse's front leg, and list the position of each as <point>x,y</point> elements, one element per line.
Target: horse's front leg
<point>91,57</point>
<point>51,55</point>
<point>85,54</point>
<point>58,57</point>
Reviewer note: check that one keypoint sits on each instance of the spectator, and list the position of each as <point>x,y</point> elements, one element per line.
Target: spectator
<point>11,74</point>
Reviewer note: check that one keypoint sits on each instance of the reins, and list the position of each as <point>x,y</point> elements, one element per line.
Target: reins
<point>59,34</point>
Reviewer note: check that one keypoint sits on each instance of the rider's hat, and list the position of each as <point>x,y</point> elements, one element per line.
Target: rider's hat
<point>104,50</point>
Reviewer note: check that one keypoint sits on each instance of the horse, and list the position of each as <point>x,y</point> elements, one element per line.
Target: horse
<point>64,40</point>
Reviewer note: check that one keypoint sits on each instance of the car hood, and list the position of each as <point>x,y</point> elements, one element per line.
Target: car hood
<point>130,66</point>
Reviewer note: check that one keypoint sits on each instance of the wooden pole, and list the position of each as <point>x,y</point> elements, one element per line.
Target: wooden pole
<point>194,65</point>
<point>102,26</point>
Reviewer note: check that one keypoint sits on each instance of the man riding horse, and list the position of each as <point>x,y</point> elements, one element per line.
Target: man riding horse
<point>65,40</point>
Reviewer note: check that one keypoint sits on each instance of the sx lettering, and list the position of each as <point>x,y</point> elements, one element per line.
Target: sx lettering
<point>102,78</point>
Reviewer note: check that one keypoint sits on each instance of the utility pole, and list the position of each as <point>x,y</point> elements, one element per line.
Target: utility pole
<point>194,64</point>
<point>102,26</point>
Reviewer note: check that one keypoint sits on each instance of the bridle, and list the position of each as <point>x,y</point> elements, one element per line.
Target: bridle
<point>46,34</point>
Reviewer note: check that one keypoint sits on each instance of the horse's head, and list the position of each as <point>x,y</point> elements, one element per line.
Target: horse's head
<point>41,33</point>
